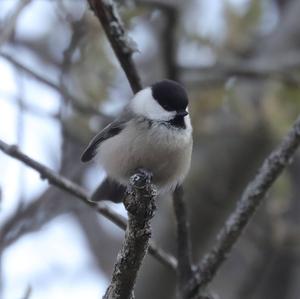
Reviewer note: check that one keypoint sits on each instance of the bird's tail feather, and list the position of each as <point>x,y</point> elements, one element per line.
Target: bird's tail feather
<point>109,190</point>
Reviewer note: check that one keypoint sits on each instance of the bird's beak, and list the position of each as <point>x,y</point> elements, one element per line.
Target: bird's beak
<point>182,113</point>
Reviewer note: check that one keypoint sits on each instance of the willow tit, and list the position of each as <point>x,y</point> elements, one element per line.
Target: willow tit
<point>154,132</point>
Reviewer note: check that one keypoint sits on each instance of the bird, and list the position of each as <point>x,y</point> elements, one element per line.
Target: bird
<point>154,133</point>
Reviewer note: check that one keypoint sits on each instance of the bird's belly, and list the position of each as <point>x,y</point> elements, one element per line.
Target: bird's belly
<point>167,158</point>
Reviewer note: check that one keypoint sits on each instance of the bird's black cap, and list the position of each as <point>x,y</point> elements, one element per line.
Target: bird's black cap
<point>170,95</point>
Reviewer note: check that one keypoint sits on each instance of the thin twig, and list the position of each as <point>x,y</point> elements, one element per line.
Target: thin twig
<point>78,31</point>
<point>28,108</point>
<point>283,68</point>
<point>140,204</point>
<point>160,4</point>
<point>9,24</point>
<point>169,42</point>
<point>123,46</point>
<point>246,206</point>
<point>68,186</point>
<point>27,293</point>
<point>168,37</point>
<point>184,269</point>
<point>76,102</point>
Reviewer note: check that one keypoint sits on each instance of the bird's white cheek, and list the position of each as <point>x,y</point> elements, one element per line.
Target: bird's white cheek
<point>188,123</point>
<point>156,112</point>
<point>144,104</point>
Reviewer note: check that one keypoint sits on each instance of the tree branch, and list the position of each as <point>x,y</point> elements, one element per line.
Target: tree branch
<point>68,186</point>
<point>123,46</point>
<point>169,42</point>
<point>31,109</point>
<point>184,269</point>
<point>246,206</point>
<point>140,204</point>
<point>9,24</point>
<point>283,68</point>
<point>160,4</point>
<point>76,102</point>
<point>27,293</point>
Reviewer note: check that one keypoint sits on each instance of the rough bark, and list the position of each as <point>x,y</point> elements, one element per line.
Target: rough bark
<point>140,204</point>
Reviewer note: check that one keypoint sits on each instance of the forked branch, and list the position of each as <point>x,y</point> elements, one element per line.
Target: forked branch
<point>253,195</point>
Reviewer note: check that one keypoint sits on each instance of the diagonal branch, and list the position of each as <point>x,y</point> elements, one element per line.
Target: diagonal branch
<point>68,186</point>
<point>76,102</point>
<point>184,269</point>
<point>9,25</point>
<point>246,206</point>
<point>140,204</point>
<point>123,46</point>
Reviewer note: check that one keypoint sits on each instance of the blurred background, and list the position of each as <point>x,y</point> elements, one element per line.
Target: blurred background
<point>60,83</point>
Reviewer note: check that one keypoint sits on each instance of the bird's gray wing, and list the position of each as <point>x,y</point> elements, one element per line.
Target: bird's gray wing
<point>109,131</point>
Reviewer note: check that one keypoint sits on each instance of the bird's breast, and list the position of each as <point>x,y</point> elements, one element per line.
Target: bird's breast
<point>163,151</point>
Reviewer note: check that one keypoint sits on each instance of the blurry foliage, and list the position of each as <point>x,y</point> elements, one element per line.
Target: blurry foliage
<point>242,27</point>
